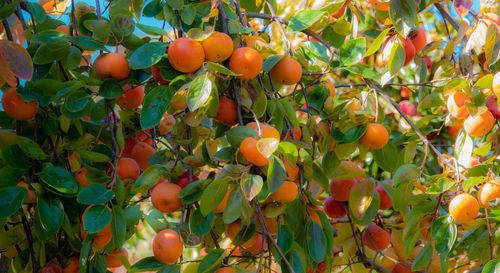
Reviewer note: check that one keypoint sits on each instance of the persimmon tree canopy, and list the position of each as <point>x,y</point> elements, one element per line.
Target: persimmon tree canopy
<point>249,136</point>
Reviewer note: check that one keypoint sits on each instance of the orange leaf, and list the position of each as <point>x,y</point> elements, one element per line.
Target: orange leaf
<point>7,75</point>
<point>16,59</point>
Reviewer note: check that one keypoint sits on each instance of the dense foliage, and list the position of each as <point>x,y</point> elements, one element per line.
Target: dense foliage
<point>249,136</point>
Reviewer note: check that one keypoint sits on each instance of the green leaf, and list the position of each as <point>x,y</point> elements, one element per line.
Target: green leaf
<point>423,258</point>
<point>51,52</point>
<point>403,14</point>
<point>201,224</point>
<point>102,30</point>
<point>51,212</point>
<point>212,261</point>
<point>149,177</point>
<point>87,43</point>
<point>152,9</point>
<point>276,174</point>
<point>212,196</point>
<point>94,156</point>
<point>199,92</point>
<point>119,227</point>
<point>401,196</point>
<point>387,158</point>
<point>320,177</point>
<point>7,9</point>
<point>147,264</point>
<point>492,266</point>
<point>59,180</point>
<point>397,58</point>
<point>237,134</point>
<point>316,241</point>
<point>97,218</point>
<point>289,151</point>
<point>285,240</point>
<point>73,58</point>
<point>353,134</point>
<point>176,4</point>
<point>154,106</point>
<point>251,184</point>
<point>188,13</point>
<point>444,233</point>
<point>406,174</point>
<point>361,197</point>
<point>233,206</point>
<point>270,62</point>
<point>216,67</point>
<point>94,194</point>
<point>352,51</point>
<point>48,36</point>
<point>375,46</point>
<point>330,162</point>
<point>316,50</point>
<point>151,30</point>
<point>110,89</point>
<point>37,11</point>
<point>11,199</point>
<point>290,112</point>
<point>440,185</point>
<point>147,55</point>
<point>304,19</point>
<point>30,148</point>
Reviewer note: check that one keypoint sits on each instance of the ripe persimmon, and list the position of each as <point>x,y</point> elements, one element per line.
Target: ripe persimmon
<point>409,50</point>
<point>247,62</point>
<point>257,43</point>
<point>249,150</point>
<point>167,246</point>
<point>186,55</point>
<point>418,38</point>
<point>31,198</point>
<point>218,47</point>
<point>128,169</point>
<point>129,145</point>
<point>286,193</point>
<point>156,72</point>
<point>141,153</point>
<point>227,113</point>
<point>456,105</point>
<point>385,199</point>
<point>112,65</point>
<point>479,125</point>
<point>375,137</point>
<point>464,207</point>
<point>271,224</point>
<point>334,208</point>
<point>489,191</point>
<point>405,93</point>
<point>225,270</point>
<point>165,197</point>
<point>341,189</point>
<point>80,176</point>
<point>256,248</point>
<point>232,231</point>
<point>297,134</point>
<point>16,107</point>
<point>376,238</point>
<point>266,130</point>
<point>131,98</point>
<point>292,172</point>
<point>401,268</point>
<point>72,266</point>
<point>495,84</point>
<point>183,180</point>
<point>454,129</point>
<point>102,237</point>
<point>222,206</point>
<point>112,259</point>
<point>287,71</point>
